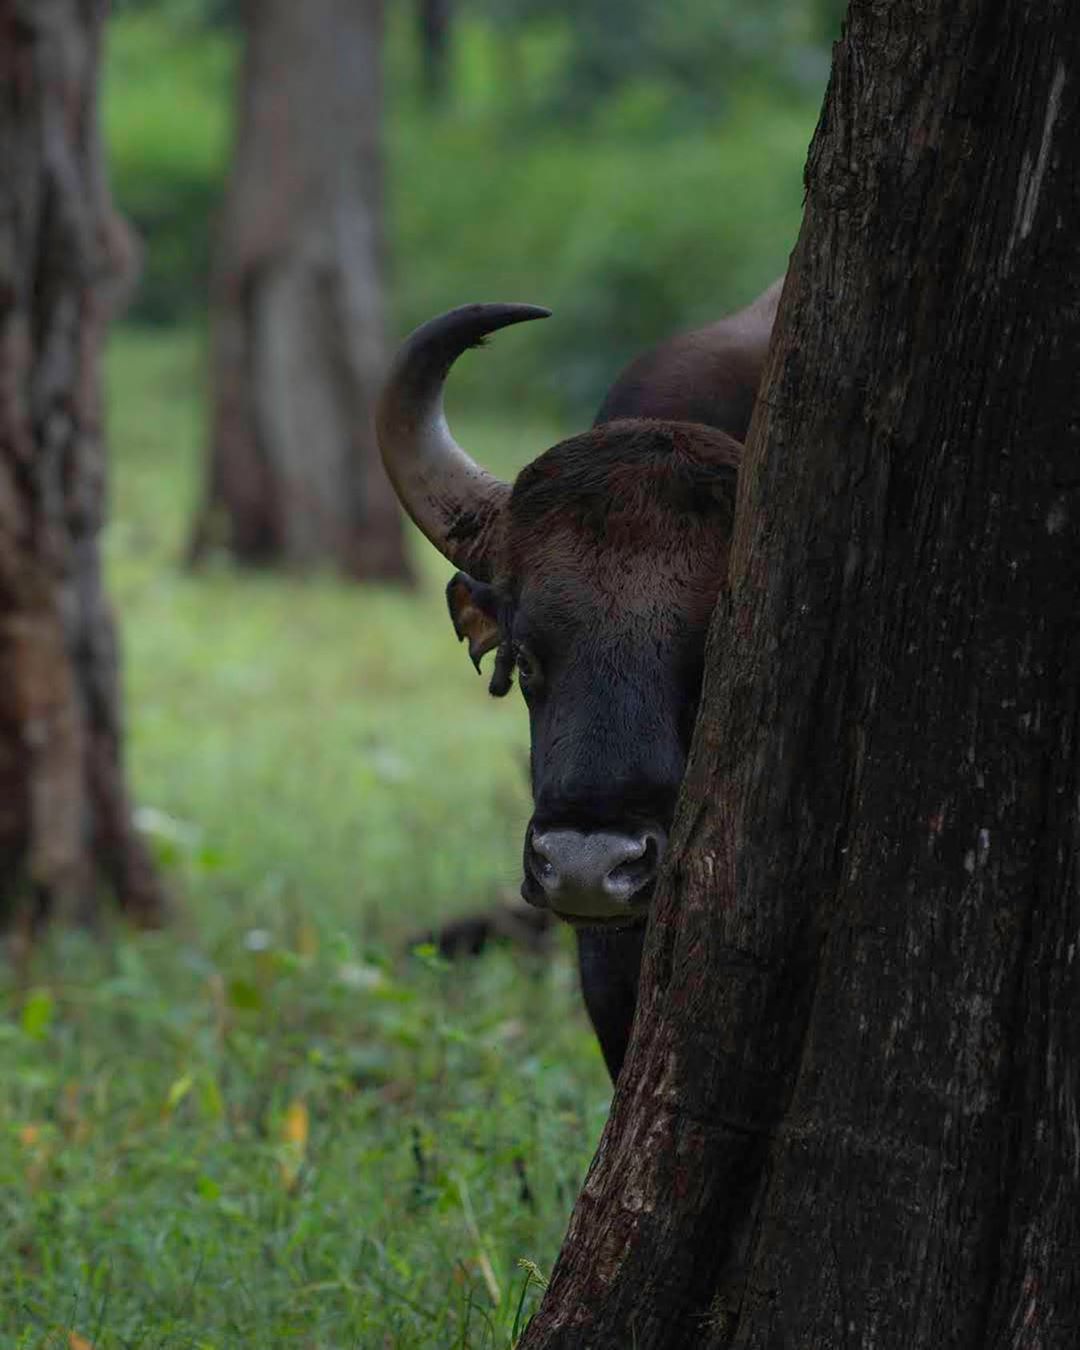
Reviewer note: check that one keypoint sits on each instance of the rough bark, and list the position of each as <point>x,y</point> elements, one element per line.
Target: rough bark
<point>294,475</point>
<point>850,1116</point>
<point>66,259</point>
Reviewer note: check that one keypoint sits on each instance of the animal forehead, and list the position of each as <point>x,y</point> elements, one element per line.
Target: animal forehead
<point>629,519</point>
<point>629,473</point>
<point>576,575</point>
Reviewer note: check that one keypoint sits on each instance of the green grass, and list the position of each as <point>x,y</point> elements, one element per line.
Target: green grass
<point>269,1125</point>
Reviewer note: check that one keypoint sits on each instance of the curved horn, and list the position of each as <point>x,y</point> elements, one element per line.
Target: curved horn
<point>453,500</point>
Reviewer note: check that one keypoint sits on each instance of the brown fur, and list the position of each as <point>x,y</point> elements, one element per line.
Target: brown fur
<point>627,492</point>
<point>709,376</point>
<point>617,471</point>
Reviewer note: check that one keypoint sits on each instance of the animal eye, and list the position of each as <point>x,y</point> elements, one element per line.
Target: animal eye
<point>528,667</point>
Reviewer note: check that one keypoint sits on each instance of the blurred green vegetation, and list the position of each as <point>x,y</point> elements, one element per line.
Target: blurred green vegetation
<point>270,1125</point>
<point>653,214</point>
<point>167,112</point>
<point>688,56</point>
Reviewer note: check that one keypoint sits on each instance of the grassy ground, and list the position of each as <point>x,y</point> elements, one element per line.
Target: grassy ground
<point>268,1126</point>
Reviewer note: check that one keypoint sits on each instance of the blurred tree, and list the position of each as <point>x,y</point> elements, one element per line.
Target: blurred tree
<point>434,18</point>
<point>294,476</point>
<point>66,260</point>
<point>849,1112</point>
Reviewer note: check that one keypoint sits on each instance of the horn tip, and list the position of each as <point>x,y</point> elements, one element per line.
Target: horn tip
<point>501,313</point>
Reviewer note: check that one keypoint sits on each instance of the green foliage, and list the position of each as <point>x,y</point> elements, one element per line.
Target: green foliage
<point>189,13</point>
<point>270,1125</point>
<point>626,246</point>
<point>167,109</point>
<point>648,223</point>
<point>690,55</point>
<point>632,231</point>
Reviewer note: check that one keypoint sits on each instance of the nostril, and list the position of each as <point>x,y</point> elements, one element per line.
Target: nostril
<point>590,872</point>
<point>540,863</point>
<point>635,872</point>
<point>539,847</point>
<point>654,851</point>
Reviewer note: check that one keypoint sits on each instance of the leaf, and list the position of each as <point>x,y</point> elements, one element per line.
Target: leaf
<point>295,1129</point>
<point>428,955</point>
<point>37,1014</point>
<point>294,1134</point>
<point>208,1188</point>
<point>213,1103</point>
<point>245,995</point>
<point>178,1091</point>
<point>211,859</point>
<point>77,1342</point>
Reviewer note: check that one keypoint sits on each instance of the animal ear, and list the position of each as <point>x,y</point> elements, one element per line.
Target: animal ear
<point>474,613</point>
<point>723,486</point>
<point>724,479</point>
<point>720,455</point>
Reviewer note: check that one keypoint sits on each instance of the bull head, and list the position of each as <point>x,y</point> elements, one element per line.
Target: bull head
<point>594,576</point>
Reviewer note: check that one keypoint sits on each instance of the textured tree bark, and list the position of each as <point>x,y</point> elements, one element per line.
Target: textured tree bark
<point>294,475</point>
<point>850,1116</point>
<point>66,260</point>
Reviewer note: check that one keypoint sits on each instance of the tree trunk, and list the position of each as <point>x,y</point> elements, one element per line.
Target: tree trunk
<point>434,20</point>
<point>294,475</point>
<point>65,258</point>
<point>850,1116</point>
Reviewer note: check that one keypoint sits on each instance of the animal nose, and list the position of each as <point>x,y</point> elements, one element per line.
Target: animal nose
<point>594,875</point>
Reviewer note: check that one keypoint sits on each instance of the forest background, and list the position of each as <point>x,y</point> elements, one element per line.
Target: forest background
<point>269,1125</point>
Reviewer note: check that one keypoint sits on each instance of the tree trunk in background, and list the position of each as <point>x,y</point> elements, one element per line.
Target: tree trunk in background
<point>435,17</point>
<point>850,1116</point>
<point>66,836</point>
<point>295,476</point>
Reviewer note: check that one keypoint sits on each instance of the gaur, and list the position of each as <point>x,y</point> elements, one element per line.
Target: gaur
<point>593,576</point>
